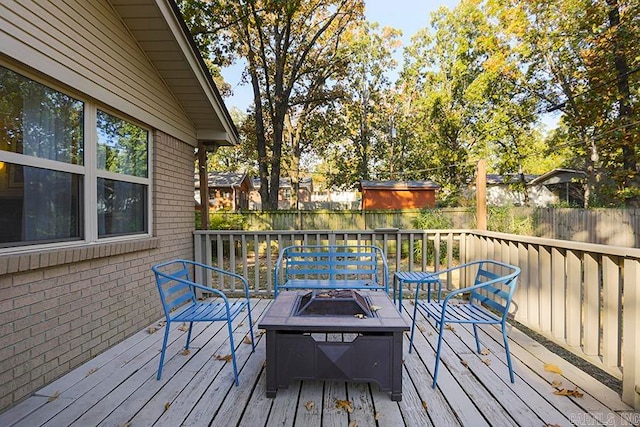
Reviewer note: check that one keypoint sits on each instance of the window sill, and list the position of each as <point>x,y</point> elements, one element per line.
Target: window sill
<point>43,258</point>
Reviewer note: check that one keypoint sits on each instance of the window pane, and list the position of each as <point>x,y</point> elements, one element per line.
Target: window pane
<point>122,208</point>
<point>38,121</point>
<point>122,146</point>
<point>39,205</point>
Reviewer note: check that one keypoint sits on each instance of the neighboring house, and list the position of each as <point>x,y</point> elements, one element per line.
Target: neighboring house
<point>285,193</point>
<point>398,194</point>
<point>332,199</point>
<point>501,193</point>
<point>227,190</point>
<point>103,104</point>
<point>566,185</point>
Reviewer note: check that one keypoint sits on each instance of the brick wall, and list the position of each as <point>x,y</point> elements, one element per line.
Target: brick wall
<point>59,308</point>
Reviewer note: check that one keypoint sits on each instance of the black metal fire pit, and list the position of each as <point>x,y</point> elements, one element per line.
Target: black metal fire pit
<point>337,302</point>
<point>298,324</point>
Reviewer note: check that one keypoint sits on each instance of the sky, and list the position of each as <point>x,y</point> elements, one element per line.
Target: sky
<point>406,15</point>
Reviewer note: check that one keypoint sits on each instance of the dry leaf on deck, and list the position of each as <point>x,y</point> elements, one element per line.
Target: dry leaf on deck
<point>323,296</point>
<point>376,416</point>
<point>565,392</point>
<point>353,423</point>
<point>556,384</point>
<point>247,340</point>
<point>226,358</point>
<point>485,352</point>
<point>125,425</point>
<point>449,327</point>
<point>162,323</point>
<point>344,404</point>
<point>374,308</point>
<point>464,363</point>
<point>486,361</point>
<point>425,406</point>
<point>186,352</point>
<point>420,327</point>
<point>550,367</point>
<point>91,371</point>
<point>261,332</point>
<point>309,405</point>
<point>183,327</point>
<point>360,316</point>
<point>166,406</point>
<point>54,396</point>
<point>151,329</point>
<point>240,324</point>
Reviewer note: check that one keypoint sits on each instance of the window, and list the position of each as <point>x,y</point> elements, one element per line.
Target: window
<point>51,167</point>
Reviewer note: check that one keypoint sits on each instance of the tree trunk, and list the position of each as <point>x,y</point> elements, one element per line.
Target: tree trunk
<point>631,178</point>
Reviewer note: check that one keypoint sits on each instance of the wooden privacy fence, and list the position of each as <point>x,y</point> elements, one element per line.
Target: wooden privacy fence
<point>585,297</point>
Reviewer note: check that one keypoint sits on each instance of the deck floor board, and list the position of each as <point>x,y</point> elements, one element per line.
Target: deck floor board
<point>118,387</point>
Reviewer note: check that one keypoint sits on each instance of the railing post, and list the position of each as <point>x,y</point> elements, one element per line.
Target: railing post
<point>631,334</point>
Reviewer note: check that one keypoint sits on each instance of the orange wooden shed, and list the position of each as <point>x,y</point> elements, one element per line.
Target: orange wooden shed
<point>398,194</point>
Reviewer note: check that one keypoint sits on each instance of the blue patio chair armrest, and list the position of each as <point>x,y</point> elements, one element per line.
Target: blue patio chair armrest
<point>228,273</point>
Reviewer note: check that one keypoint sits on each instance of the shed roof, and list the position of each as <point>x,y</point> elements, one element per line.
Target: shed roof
<point>559,176</point>
<point>225,179</point>
<point>399,185</point>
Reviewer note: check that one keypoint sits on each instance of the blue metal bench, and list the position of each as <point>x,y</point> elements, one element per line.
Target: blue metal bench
<point>331,267</point>
<point>488,302</point>
<point>180,304</point>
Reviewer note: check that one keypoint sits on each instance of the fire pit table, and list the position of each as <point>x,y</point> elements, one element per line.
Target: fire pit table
<point>298,322</point>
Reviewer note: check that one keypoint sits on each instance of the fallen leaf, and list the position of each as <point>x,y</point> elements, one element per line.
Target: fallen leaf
<point>162,323</point>
<point>556,384</point>
<point>464,363</point>
<point>353,423</point>
<point>374,308</point>
<point>376,416</point>
<point>226,358</point>
<point>360,316</point>
<point>183,327</point>
<point>166,405</point>
<point>486,361</point>
<point>240,324</point>
<point>125,425</point>
<point>151,329</point>
<point>425,406</point>
<point>421,328</point>
<point>247,340</point>
<point>485,352</point>
<point>309,405</point>
<point>344,404</point>
<point>261,332</point>
<point>186,352</point>
<point>54,396</point>
<point>565,392</point>
<point>91,371</point>
<point>550,367</point>
<point>449,327</point>
<point>323,296</point>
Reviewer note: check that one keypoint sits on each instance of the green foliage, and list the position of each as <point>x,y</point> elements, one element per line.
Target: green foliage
<point>432,220</point>
<point>507,219</point>
<point>227,221</point>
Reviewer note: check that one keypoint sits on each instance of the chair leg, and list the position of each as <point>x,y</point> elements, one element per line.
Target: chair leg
<point>164,347</point>
<point>253,341</point>
<point>186,347</point>
<point>475,333</point>
<point>506,348</point>
<point>435,370</point>
<point>233,352</point>
<point>413,324</point>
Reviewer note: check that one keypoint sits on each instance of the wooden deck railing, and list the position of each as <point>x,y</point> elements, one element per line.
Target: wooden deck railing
<point>585,297</point>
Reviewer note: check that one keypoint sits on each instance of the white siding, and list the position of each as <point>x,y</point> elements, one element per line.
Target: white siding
<point>85,45</point>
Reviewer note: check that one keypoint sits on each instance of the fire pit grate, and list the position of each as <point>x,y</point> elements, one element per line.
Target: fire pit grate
<point>333,303</point>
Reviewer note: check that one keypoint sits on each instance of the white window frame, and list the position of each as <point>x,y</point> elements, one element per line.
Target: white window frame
<point>89,171</point>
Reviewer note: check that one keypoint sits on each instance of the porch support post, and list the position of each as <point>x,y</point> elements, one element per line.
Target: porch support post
<point>631,334</point>
<point>204,186</point>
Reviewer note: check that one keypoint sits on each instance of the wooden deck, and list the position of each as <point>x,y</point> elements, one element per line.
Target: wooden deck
<point>119,388</point>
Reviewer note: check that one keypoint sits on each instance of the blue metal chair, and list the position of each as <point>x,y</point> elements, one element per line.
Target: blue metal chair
<point>488,302</point>
<point>180,304</point>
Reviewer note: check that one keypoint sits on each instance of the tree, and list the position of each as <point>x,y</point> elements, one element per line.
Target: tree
<point>359,147</point>
<point>576,56</point>
<point>284,43</point>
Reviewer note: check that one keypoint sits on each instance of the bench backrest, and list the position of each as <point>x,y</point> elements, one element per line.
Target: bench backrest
<point>332,262</point>
<point>500,279</point>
